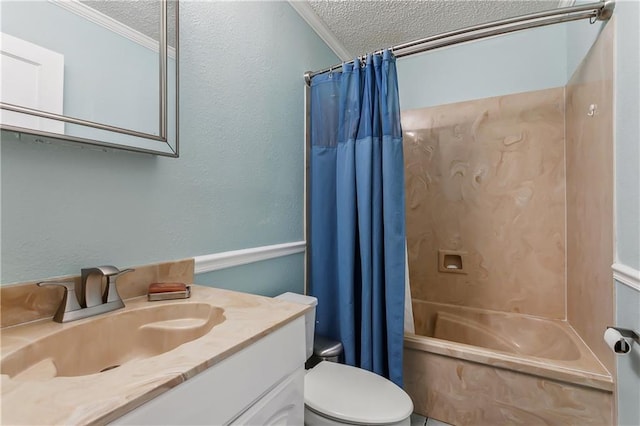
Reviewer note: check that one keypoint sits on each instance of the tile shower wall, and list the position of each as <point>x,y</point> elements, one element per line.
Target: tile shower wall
<point>589,133</point>
<point>487,178</point>
<point>468,393</point>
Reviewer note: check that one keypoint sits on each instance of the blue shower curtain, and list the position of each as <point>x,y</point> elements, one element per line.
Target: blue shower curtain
<point>357,268</point>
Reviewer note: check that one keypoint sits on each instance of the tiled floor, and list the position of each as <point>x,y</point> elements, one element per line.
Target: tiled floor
<point>418,420</point>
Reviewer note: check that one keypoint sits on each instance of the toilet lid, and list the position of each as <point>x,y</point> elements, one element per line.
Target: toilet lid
<point>354,395</point>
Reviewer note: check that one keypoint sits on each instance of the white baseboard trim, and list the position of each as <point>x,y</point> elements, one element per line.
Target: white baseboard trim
<point>228,259</point>
<point>626,275</point>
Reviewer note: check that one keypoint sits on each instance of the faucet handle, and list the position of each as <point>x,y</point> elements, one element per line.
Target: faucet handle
<point>69,285</point>
<point>111,291</point>
<point>69,299</point>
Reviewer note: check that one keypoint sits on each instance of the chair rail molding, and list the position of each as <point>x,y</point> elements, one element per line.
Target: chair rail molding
<point>626,275</point>
<point>228,259</point>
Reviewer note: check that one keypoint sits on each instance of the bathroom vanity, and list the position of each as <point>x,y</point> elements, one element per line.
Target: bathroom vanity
<point>219,357</point>
<point>263,384</point>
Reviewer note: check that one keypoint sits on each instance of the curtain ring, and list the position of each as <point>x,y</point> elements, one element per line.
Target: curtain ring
<point>330,72</point>
<point>593,19</point>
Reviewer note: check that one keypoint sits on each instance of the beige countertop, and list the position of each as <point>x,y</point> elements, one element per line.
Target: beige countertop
<point>103,397</point>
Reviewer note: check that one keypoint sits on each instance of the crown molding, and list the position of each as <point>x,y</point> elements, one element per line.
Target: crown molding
<point>626,275</point>
<point>112,25</point>
<point>314,21</point>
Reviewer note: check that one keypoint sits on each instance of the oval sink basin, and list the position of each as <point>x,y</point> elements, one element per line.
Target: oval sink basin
<point>106,342</point>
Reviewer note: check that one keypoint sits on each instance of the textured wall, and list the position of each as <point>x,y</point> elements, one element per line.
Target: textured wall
<point>487,178</point>
<point>580,37</point>
<point>627,181</point>
<point>268,278</point>
<point>589,151</point>
<point>627,133</point>
<point>627,315</point>
<point>237,184</point>
<point>520,62</point>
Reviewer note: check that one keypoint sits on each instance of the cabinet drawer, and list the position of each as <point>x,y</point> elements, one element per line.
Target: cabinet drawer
<point>282,406</point>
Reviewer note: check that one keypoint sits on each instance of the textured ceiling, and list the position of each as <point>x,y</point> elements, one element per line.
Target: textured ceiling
<point>365,26</point>
<point>360,26</point>
<point>140,15</point>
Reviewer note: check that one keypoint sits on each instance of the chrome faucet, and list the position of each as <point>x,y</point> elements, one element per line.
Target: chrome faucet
<point>89,299</point>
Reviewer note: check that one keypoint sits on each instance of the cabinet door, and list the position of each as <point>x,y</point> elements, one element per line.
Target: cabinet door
<point>283,406</point>
<point>222,393</point>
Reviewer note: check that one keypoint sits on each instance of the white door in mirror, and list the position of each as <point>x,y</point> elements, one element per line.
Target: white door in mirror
<point>31,76</point>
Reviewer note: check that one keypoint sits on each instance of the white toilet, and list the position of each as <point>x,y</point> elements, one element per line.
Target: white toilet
<point>338,394</point>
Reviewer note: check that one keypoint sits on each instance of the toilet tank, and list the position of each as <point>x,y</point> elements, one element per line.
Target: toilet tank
<point>309,317</point>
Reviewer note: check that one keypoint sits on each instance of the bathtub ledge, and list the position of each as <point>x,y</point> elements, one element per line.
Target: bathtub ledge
<point>594,377</point>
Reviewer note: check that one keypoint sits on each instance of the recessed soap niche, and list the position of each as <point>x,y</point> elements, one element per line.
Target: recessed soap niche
<point>452,261</point>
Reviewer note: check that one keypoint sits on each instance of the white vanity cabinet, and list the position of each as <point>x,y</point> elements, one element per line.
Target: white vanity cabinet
<point>262,384</point>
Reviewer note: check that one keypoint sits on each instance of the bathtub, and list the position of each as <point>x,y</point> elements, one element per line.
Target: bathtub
<point>467,366</point>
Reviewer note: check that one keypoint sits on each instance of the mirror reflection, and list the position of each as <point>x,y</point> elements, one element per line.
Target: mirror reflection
<point>99,61</point>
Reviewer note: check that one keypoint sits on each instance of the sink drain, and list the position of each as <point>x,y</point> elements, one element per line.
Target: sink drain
<point>111,367</point>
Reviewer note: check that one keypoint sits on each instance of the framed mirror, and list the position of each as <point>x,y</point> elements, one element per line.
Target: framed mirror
<point>97,72</point>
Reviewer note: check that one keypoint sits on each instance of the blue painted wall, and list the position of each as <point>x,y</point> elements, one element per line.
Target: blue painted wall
<point>269,278</point>
<point>627,187</point>
<point>513,63</point>
<point>237,184</point>
<point>580,38</point>
<point>627,132</point>
<point>628,379</point>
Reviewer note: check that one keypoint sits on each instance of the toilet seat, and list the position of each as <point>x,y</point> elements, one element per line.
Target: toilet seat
<point>354,395</point>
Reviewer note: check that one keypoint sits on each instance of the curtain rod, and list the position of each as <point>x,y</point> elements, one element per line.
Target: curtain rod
<point>599,11</point>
